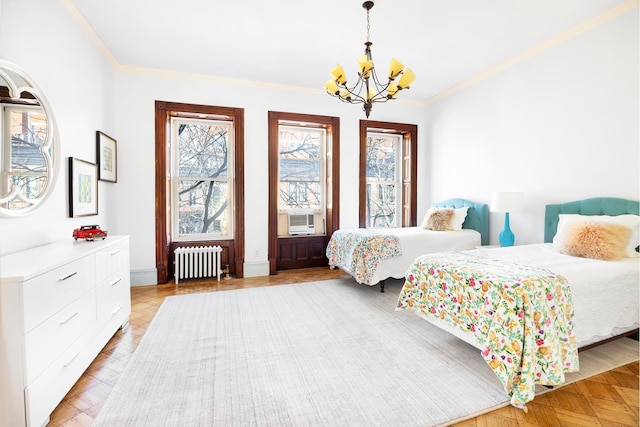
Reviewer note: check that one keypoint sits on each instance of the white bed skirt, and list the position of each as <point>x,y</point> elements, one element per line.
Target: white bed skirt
<point>605,294</point>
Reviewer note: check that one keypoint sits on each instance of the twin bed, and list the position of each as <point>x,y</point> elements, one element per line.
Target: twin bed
<point>372,255</point>
<point>529,308</point>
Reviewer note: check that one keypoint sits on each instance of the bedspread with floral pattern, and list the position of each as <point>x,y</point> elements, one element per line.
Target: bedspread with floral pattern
<point>360,251</point>
<point>523,316</point>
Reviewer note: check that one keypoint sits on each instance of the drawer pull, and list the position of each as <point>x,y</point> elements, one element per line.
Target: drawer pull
<point>114,312</point>
<point>71,360</point>
<point>62,322</point>
<point>116,252</point>
<point>67,276</point>
<point>115,282</point>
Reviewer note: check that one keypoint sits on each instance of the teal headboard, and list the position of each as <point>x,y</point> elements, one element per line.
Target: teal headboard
<point>477,215</point>
<point>594,206</point>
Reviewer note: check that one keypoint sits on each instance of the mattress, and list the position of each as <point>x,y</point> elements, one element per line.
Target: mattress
<point>414,241</point>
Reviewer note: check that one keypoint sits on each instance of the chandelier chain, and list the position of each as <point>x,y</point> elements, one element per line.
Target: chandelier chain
<point>368,25</point>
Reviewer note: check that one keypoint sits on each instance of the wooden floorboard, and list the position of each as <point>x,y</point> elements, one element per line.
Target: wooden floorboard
<point>609,399</point>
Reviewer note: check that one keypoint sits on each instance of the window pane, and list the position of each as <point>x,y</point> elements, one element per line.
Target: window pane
<point>28,134</point>
<point>381,158</point>
<point>294,170</point>
<point>203,207</point>
<point>26,166</point>
<point>203,149</point>
<point>202,169</point>
<point>381,166</point>
<point>30,188</point>
<point>301,178</point>
<point>300,143</point>
<point>300,171</point>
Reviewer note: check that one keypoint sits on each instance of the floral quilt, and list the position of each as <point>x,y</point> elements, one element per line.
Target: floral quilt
<point>360,251</point>
<point>523,316</point>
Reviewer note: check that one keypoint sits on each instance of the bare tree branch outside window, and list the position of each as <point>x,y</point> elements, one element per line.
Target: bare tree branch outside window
<point>300,174</point>
<point>203,177</point>
<point>381,173</point>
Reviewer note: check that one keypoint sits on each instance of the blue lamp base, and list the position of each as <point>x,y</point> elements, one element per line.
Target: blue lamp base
<point>506,236</point>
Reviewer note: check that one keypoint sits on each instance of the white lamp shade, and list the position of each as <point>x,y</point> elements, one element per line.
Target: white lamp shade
<point>507,202</point>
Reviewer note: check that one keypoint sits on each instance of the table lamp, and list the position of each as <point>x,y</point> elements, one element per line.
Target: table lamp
<point>506,202</point>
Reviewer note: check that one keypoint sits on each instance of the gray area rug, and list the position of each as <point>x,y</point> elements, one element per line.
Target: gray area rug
<point>329,353</point>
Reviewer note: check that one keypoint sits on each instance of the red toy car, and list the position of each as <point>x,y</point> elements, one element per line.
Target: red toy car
<point>89,232</point>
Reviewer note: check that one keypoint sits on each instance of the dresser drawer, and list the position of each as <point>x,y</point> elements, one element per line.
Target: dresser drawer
<point>45,295</point>
<point>113,293</point>
<point>50,339</point>
<point>117,318</point>
<point>43,395</point>
<point>112,260</point>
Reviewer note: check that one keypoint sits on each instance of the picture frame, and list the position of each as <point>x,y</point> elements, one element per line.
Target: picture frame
<point>83,188</point>
<point>106,157</point>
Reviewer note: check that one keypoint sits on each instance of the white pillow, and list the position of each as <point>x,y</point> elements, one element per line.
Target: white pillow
<point>458,218</point>
<point>567,221</point>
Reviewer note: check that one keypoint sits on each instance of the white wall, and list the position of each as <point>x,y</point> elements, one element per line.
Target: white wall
<point>87,94</point>
<point>41,38</point>
<point>138,90</point>
<point>560,126</point>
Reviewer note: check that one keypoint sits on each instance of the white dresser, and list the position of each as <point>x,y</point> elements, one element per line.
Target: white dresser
<point>59,305</point>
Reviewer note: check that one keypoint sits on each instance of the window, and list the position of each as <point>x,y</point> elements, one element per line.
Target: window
<point>202,178</point>
<point>24,165</point>
<point>388,155</point>
<point>383,173</point>
<point>303,188</point>
<point>301,169</point>
<point>210,206</point>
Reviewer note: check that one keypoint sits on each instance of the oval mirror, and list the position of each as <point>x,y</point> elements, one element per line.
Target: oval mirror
<point>28,151</point>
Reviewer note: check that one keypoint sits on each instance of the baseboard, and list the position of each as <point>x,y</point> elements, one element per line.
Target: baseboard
<point>256,269</point>
<point>149,276</point>
<point>145,277</point>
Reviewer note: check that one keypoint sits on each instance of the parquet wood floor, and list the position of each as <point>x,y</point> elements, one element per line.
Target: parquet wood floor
<point>609,399</point>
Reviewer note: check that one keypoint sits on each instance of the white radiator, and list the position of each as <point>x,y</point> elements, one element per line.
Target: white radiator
<point>196,262</point>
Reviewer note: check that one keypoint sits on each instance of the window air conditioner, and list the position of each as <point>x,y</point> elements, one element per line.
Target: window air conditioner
<point>301,222</point>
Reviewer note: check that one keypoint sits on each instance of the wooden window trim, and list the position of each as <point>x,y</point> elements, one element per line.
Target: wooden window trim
<point>163,113</point>
<point>410,133</point>
<point>333,200</point>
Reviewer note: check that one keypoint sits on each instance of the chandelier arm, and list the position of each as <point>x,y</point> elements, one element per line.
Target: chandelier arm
<point>352,101</point>
<point>379,87</point>
<point>355,99</point>
<point>354,91</point>
<point>374,75</point>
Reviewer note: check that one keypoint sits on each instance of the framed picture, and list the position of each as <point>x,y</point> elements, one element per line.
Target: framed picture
<point>83,188</point>
<point>106,157</point>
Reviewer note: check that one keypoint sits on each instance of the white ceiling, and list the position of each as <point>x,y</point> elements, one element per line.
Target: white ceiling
<point>297,42</point>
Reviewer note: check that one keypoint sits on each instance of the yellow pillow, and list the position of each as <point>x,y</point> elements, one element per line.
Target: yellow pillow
<point>590,239</point>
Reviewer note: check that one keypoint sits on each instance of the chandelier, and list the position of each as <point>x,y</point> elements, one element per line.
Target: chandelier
<point>368,89</point>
